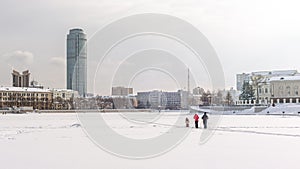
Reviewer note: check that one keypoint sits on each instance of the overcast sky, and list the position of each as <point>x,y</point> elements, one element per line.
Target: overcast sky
<point>248,35</point>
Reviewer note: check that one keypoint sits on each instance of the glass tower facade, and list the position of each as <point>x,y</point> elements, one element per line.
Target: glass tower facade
<point>77,61</point>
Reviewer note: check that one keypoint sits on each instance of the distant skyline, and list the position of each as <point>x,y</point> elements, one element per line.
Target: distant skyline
<point>247,35</point>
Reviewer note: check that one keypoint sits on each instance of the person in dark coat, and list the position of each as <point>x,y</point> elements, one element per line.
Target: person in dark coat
<point>204,119</point>
<point>196,118</point>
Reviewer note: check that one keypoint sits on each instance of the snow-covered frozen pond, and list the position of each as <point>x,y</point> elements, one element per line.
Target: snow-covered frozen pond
<point>57,141</point>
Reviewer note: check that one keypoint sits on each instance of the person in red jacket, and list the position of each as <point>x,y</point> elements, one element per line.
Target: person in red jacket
<point>196,118</point>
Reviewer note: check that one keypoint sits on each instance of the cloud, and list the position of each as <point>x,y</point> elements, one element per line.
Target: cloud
<point>58,61</point>
<point>19,57</point>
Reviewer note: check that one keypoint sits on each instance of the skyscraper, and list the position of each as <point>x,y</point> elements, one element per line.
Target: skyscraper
<point>77,61</point>
<point>20,80</point>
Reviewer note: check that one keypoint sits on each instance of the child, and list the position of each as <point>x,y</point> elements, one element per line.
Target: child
<point>187,122</point>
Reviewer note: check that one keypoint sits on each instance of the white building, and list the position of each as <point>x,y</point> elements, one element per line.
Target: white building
<point>261,82</point>
<point>285,89</point>
<point>65,94</point>
<point>159,99</point>
<point>63,98</point>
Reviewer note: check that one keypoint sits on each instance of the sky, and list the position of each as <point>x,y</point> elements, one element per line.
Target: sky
<point>248,35</point>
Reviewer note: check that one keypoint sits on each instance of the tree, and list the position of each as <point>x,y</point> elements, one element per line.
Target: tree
<point>148,105</point>
<point>217,98</point>
<point>206,98</point>
<point>228,99</point>
<point>247,92</point>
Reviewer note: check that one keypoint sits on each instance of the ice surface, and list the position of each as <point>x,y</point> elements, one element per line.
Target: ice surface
<point>57,141</point>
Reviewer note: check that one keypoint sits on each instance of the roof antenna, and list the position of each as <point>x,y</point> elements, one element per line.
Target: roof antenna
<point>188,82</point>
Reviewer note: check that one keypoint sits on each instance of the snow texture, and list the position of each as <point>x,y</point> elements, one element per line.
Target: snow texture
<point>57,141</point>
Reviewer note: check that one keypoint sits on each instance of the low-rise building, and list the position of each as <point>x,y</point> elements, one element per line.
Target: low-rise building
<point>121,91</point>
<point>65,94</point>
<point>63,98</point>
<point>261,83</point>
<point>35,84</point>
<point>285,89</point>
<point>37,98</point>
<point>161,100</point>
<point>25,97</point>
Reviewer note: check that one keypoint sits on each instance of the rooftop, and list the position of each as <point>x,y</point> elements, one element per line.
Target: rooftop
<point>276,73</point>
<point>285,78</point>
<point>23,89</point>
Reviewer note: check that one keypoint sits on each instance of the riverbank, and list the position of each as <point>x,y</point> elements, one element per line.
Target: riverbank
<point>95,111</point>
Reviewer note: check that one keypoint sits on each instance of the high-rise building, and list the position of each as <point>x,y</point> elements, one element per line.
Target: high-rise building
<point>241,79</point>
<point>77,61</point>
<point>20,80</point>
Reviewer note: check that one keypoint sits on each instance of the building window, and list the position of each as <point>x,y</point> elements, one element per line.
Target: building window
<point>296,90</point>
<point>288,90</point>
<point>266,90</point>
<point>281,90</point>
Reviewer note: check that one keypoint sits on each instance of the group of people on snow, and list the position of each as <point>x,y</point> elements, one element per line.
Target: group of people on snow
<point>196,118</point>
